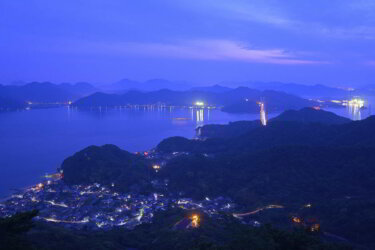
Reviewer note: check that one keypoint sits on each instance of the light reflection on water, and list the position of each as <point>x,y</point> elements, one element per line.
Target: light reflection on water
<point>354,110</point>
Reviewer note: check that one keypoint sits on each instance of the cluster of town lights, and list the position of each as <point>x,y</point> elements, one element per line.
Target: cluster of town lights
<point>195,220</point>
<point>156,168</point>
<point>356,102</point>
<point>311,226</point>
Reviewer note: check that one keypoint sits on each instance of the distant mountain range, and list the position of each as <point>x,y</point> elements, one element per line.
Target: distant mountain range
<point>308,91</point>
<point>214,88</point>
<point>149,85</point>
<point>155,90</point>
<point>239,100</point>
<point>17,96</point>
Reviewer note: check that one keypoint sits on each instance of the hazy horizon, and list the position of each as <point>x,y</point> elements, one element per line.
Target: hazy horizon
<point>228,83</point>
<point>203,42</point>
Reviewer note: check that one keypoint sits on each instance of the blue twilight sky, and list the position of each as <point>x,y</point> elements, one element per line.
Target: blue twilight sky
<point>201,41</point>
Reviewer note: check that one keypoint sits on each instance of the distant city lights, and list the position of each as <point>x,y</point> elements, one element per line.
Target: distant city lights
<point>357,102</point>
<point>156,168</point>
<point>195,220</point>
<point>308,205</point>
<point>355,106</point>
<point>296,220</point>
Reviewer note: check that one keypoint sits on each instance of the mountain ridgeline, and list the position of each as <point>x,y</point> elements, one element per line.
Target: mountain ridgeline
<point>17,96</point>
<point>149,85</point>
<point>277,96</point>
<point>305,115</point>
<point>289,128</point>
<point>240,100</point>
<point>311,91</point>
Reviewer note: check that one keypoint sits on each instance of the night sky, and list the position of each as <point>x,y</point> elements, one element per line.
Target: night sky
<point>200,41</point>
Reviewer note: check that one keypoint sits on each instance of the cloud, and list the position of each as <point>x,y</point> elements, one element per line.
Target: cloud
<point>357,32</point>
<point>214,50</point>
<point>254,11</point>
<point>283,16</point>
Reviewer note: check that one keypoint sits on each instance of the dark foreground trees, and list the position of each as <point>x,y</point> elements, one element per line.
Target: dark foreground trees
<point>13,230</point>
<point>224,233</point>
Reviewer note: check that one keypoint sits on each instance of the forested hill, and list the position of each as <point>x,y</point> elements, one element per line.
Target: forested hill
<point>311,169</point>
<point>288,163</point>
<point>311,115</point>
<point>107,164</point>
<point>20,232</point>
<point>305,115</point>
<point>281,133</point>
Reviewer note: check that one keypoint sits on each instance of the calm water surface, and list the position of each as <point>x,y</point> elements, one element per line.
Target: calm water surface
<point>35,142</point>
